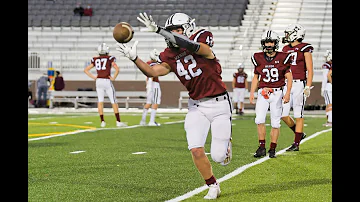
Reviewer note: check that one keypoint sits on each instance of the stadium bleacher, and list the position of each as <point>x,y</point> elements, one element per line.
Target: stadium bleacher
<point>237,26</point>
<point>42,13</point>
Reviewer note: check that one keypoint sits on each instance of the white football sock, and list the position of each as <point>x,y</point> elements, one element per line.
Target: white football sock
<point>152,116</point>
<point>330,116</point>
<point>143,118</point>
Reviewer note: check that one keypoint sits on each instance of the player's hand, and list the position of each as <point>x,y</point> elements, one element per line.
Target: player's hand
<point>126,51</point>
<point>251,98</point>
<point>322,93</point>
<point>148,21</point>
<point>111,78</point>
<point>286,98</point>
<point>307,90</point>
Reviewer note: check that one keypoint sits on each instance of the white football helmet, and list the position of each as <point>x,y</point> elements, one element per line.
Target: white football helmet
<point>154,54</point>
<point>181,20</point>
<point>241,65</point>
<point>294,32</point>
<point>103,49</point>
<point>270,36</point>
<point>328,55</point>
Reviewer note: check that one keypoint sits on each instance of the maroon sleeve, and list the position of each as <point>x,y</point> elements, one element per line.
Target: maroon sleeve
<point>203,36</point>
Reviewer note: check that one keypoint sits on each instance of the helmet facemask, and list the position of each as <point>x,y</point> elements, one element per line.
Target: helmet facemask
<point>293,32</point>
<point>270,36</point>
<point>328,56</point>
<point>241,67</point>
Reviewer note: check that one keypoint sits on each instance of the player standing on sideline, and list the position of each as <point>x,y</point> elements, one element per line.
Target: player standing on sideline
<point>190,57</point>
<point>240,86</point>
<point>153,97</point>
<point>302,72</point>
<point>326,88</point>
<point>271,70</point>
<point>103,64</point>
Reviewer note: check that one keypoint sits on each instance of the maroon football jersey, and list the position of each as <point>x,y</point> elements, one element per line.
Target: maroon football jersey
<point>151,63</point>
<point>102,65</point>
<point>201,76</point>
<point>298,65</point>
<point>240,79</point>
<point>272,73</point>
<point>328,66</point>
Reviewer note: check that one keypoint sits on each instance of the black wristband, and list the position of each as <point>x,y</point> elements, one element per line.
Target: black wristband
<point>134,59</point>
<point>158,29</point>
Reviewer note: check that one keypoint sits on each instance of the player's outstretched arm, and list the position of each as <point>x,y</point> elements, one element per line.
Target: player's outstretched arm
<point>131,53</point>
<point>173,37</point>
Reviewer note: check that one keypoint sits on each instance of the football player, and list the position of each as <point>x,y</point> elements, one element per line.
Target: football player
<point>326,88</point>
<point>153,97</point>
<point>103,64</point>
<point>302,71</point>
<point>190,57</point>
<point>271,70</point>
<point>240,86</point>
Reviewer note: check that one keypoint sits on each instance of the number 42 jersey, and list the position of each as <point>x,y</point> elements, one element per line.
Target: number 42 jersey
<point>201,76</point>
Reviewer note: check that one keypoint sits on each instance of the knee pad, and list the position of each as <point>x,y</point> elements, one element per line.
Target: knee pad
<point>259,120</point>
<point>297,111</point>
<point>275,125</point>
<point>218,157</point>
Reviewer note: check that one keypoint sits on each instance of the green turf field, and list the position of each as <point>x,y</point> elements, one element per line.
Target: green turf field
<point>70,158</point>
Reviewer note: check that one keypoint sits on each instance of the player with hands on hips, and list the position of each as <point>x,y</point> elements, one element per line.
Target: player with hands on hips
<point>240,87</point>
<point>190,57</point>
<point>326,87</point>
<point>153,96</point>
<point>103,80</point>
<point>271,70</point>
<point>302,71</point>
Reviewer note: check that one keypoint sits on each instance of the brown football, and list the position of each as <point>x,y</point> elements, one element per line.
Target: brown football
<point>123,32</point>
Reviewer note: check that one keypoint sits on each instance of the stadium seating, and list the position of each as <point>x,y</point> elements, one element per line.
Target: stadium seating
<point>110,10</point>
<point>237,26</point>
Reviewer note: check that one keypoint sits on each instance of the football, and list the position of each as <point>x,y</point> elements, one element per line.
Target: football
<point>123,32</point>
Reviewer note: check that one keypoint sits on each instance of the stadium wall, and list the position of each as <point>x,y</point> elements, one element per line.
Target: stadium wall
<point>171,90</point>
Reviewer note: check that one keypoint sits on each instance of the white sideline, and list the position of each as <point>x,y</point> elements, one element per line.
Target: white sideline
<point>239,170</point>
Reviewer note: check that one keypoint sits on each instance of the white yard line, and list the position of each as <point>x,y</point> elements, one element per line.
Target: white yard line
<point>239,170</point>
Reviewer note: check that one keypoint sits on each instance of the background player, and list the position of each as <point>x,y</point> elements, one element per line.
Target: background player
<point>103,64</point>
<point>271,70</point>
<point>302,72</point>
<point>190,57</point>
<point>326,88</point>
<point>153,97</point>
<point>240,86</point>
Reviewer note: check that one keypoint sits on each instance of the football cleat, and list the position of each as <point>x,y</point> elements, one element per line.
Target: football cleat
<point>214,191</point>
<point>121,124</point>
<point>153,124</point>
<point>303,136</point>
<point>328,124</point>
<point>272,153</point>
<point>103,124</point>
<point>142,123</point>
<point>261,151</point>
<point>293,147</point>
<point>228,154</point>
